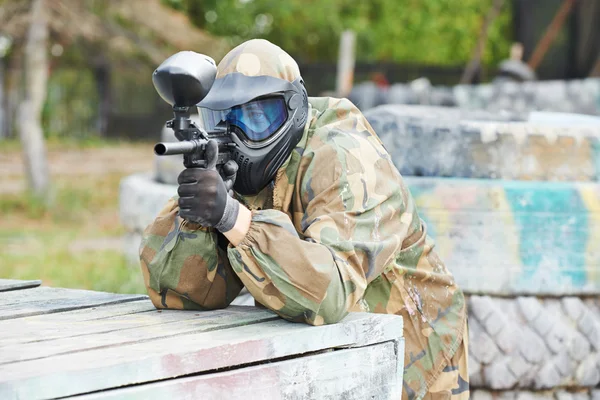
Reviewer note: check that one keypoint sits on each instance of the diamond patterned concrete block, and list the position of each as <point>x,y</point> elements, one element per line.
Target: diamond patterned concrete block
<point>579,347</point>
<point>518,366</point>
<point>530,307</point>
<point>558,337</point>
<point>558,394</point>
<point>508,338</point>
<point>506,395</point>
<point>481,395</point>
<point>543,324</point>
<point>499,376</point>
<point>590,327</point>
<point>532,346</point>
<point>481,307</point>
<point>563,363</point>
<point>548,356</point>
<point>581,395</point>
<point>495,323</point>
<point>588,373</point>
<point>563,395</point>
<point>548,377</point>
<point>482,347</point>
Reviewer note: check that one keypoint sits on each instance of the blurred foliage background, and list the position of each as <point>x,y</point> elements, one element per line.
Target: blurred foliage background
<point>439,32</point>
<point>102,52</point>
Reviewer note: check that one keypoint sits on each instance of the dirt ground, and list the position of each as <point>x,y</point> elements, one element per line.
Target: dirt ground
<point>126,159</point>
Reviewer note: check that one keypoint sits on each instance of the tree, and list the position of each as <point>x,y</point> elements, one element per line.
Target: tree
<point>111,30</point>
<point>441,32</point>
<point>30,110</point>
<point>475,62</point>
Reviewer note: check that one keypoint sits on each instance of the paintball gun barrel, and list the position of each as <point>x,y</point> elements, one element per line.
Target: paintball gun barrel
<point>183,80</point>
<point>193,149</point>
<point>168,149</point>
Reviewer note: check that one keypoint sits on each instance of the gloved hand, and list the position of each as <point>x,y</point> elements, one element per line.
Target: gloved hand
<point>229,173</point>
<point>203,193</point>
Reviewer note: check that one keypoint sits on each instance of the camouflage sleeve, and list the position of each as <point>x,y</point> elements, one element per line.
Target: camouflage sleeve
<point>346,232</point>
<point>183,265</point>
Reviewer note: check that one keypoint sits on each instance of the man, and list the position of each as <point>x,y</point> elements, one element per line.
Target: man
<point>514,69</point>
<point>319,222</point>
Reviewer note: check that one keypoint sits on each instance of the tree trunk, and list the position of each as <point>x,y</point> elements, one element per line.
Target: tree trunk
<point>3,102</point>
<point>346,60</point>
<point>103,86</point>
<point>14,93</point>
<point>30,110</point>
<point>474,65</point>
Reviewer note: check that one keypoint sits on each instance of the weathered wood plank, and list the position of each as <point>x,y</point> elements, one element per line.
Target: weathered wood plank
<point>14,284</point>
<point>45,293</point>
<point>361,373</point>
<point>148,361</point>
<point>136,314</point>
<point>54,322</point>
<point>150,326</point>
<point>43,300</point>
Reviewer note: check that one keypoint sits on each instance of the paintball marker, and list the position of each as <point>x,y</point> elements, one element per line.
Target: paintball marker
<point>183,80</point>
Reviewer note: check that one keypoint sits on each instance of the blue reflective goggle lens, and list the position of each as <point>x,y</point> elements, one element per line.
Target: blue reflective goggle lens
<point>259,119</point>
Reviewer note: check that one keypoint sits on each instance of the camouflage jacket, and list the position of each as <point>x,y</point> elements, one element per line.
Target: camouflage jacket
<point>336,232</point>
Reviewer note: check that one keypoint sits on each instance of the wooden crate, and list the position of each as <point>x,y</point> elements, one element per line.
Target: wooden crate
<point>82,344</point>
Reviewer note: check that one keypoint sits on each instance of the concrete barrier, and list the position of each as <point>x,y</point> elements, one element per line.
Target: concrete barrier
<point>510,237</point>
<point>449,142</point>
<point>574,96</point>
<point>141,197</point>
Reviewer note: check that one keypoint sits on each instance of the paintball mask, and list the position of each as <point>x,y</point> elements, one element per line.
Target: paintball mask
<point>255,104</point>
<point>266,126</point>
<point>260,96</point>
<point>256,123</point>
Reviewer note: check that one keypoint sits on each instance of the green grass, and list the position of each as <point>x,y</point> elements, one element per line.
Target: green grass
<point>47,257</point>
<point>39,240</point>
<point>74,202</point>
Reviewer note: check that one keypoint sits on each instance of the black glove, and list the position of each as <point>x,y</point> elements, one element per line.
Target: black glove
<point>229,173</point>
<point>203,194</point>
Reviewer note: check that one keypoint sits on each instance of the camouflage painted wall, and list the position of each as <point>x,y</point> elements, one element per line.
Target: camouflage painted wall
<point>507,237</point>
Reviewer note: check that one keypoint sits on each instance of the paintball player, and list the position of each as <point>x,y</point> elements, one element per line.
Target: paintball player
<point>318,223</point>
<point>514,69</point>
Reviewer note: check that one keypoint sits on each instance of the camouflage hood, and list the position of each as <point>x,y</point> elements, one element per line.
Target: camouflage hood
<point>254,68</point>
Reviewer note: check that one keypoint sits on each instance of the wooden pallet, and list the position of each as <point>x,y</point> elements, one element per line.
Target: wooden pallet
<point>92,345</point>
